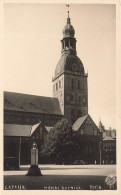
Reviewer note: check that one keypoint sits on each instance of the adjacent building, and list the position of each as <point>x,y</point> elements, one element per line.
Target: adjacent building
<point>108,145</point>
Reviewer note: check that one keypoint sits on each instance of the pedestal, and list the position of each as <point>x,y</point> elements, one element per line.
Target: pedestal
<point>34,170</point>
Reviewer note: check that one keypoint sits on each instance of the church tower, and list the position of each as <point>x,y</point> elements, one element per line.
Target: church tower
<point>70,80</point>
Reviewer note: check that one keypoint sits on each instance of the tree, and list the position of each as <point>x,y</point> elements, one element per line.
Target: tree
<point>60,143</point>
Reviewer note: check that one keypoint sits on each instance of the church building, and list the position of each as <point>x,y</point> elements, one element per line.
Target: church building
<point>30,117</point>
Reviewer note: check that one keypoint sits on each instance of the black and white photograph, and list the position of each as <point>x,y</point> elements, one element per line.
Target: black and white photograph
<point>60,97</point>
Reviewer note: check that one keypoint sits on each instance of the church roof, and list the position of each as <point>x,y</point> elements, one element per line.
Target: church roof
<point>20,130</point>
<point>79,122</point>
<point>67,64</point>
<point>31,103</point>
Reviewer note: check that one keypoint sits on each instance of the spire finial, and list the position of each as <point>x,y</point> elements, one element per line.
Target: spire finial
<point>68,19</point>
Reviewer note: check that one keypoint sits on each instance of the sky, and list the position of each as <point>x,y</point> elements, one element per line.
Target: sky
<point>32,48</point>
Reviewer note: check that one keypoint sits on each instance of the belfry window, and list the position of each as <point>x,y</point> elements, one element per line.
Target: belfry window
<point>71,43</point>
<point>67,45</point>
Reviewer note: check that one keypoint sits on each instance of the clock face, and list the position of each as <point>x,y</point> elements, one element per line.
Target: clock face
<point>75,67</point>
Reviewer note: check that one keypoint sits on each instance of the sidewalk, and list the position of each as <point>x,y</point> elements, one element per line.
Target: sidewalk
<point>51,169</point>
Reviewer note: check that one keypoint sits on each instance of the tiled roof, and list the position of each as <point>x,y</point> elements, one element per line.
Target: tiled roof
<point>31,103</point>
<point>109,134</point>
<point>19,130</point>
<point>79,122</point>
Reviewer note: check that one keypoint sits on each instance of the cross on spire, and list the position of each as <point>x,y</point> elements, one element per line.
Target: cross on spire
<point>68,9</point>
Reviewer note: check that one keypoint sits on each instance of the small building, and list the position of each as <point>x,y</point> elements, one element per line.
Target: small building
<point>109,150</point>
<point>90,139</point>
<point>108,145</point>
<point>18,140</point>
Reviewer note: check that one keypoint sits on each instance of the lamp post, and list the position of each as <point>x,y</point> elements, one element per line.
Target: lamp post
<point>34,170</point>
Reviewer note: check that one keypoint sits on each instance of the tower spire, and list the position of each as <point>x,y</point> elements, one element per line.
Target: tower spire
<point>68,19</point>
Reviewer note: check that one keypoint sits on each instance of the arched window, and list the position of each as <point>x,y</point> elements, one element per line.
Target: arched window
<point>78,84</point>
<point>59,84</point>
<point>79,113</point>
<point>85,85</point>
<point>67,45</point>
<point>71,43</point>
<point>61,98</point>
<point>84,100</point>
<point>79,99</point>
<point>72,84</point>
<point>56,86</point>
<point>62,82</point>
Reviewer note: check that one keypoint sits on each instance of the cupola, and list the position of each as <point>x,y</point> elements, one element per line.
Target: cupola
<point>68,30</point>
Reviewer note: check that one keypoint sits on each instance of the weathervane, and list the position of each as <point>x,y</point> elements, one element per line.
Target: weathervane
<point>68,9</point>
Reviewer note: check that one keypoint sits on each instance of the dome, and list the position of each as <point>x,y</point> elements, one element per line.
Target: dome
<point>69,63</point>
<point>68,30</point>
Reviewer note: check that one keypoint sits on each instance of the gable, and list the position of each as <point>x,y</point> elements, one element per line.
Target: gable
<point>17,130</point>
<point>40,133</point>
<point>78,123</point>
<point>86,126</point>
